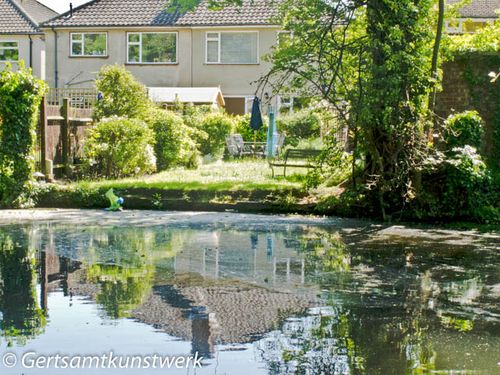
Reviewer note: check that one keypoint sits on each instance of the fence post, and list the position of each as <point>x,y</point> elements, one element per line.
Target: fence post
<point>65,139</point>
<point>43,135</point>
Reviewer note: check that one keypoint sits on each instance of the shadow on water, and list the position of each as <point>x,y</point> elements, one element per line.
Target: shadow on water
<point>308,300</point>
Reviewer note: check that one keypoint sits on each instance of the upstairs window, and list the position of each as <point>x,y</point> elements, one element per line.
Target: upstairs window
<point>89,44</point>
<point>152,48</point>
<point>9,51</point>
<point>232,47</point>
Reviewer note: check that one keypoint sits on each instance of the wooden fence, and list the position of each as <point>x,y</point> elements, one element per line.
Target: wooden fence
<point>65,117</point>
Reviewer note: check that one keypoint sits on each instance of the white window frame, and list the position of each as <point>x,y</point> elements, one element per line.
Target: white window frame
<point>6,48</point>
<point>139,43</point>
<point>218,40</point>
<point>82,42</point>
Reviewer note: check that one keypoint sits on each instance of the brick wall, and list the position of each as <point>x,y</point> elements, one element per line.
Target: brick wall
<point>466,86</point>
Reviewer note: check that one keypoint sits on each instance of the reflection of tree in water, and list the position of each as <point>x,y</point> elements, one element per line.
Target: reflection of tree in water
<point>22,318</point>
<point>122,289</point>
<point>383,305</point>
<point>122,261</point>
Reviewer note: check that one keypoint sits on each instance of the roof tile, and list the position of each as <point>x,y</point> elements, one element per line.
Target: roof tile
<point>479,8</point>
<point>14,20</point>
<point>154,13</point>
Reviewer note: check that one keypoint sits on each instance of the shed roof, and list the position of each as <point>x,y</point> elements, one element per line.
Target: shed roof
<point>196,95</point>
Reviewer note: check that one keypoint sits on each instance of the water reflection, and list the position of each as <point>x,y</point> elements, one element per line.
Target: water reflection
<point>21,318</point>
<point>308,300</point>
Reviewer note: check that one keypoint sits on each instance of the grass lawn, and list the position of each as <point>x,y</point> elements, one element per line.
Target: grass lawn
<point>245,175</point>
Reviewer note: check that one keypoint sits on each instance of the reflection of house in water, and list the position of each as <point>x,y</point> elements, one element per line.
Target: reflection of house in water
<point>223,289</point>
<point>54,272</point>
<point>260,258</point>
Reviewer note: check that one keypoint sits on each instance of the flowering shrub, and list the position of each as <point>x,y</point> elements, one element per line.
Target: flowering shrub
<point>119,147</point>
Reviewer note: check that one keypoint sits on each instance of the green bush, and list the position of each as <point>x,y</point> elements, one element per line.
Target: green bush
<point>119,147</point>
<point>173,143</point>
<point>213,128</point>
<point>122,94</point>
<point>303,124</point>
<point>459,186</point>
<point>242,126</point>
<point>20,97</point>
<point>463,129</point>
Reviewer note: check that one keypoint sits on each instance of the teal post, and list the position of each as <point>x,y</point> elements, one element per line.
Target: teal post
<point>270,133</point>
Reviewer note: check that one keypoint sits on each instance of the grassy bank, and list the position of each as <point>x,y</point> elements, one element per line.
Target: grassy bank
<point>239,185</point>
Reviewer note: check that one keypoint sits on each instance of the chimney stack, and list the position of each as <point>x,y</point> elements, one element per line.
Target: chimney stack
<point>71,9</point>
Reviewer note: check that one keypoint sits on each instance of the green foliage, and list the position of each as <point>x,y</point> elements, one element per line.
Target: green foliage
<point>485,39</point>
<point>459,186</point>
<point>301,125</point>
<point>122,288</point>
<point>22,317</point>
<point>213,128</point>
<point>20,97</point>
<point>123,95</point>
<point>335,165</point>
<point>242,126</point>
<point>397,89</point>
<point>119,147</point>
<point>173,143</point>
<point>464,129</point>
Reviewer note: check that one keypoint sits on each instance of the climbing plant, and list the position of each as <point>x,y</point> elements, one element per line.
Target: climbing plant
<point>20,97</point>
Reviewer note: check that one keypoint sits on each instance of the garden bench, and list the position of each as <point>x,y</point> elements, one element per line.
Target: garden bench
<point>297,158</point>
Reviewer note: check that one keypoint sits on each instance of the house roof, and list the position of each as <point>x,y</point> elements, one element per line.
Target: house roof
<point>37,11</point>
<point>15,20</point>
<point>153,13</point>
<point>479,8</point>
<point>195,95</point>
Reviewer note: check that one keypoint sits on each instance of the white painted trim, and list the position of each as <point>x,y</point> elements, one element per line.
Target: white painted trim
<point>140,48</point>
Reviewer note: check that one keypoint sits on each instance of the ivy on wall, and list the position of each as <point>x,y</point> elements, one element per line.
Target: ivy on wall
<point>20,97</point>
<point>485,97</point>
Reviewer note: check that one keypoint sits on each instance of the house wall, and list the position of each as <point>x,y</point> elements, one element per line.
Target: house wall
<point>190,70</point>
<point>37,60</point>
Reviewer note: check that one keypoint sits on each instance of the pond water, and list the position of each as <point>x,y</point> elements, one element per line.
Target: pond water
<point>262,298</point>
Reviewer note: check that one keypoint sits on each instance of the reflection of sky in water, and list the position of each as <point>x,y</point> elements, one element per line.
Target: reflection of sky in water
<point>298,299</point>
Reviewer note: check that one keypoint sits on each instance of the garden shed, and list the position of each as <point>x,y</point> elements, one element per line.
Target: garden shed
<point>196,95</point>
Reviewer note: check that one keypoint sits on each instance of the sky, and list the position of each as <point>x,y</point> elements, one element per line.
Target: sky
<point>62,6</point>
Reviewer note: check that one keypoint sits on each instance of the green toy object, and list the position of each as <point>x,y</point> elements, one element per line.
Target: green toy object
<point>115,201</point>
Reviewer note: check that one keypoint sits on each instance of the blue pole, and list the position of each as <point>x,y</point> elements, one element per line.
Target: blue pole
<point>270,133</point>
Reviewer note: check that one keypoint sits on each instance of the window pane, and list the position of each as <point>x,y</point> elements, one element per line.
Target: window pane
<point>134,38</point>
<point>8,44</point>
<point>158,48</point>
<point>212,52</point>
<point>76,49</point>
<point>76,36</point>
<point>213,36</point>
<point>95,45</point>
<point>239,48</point>
<point>133,54</point>
<point>9,54</point>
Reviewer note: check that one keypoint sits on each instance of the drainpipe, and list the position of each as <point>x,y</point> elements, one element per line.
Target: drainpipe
<point>56,67</point>
<point>31,51</point>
